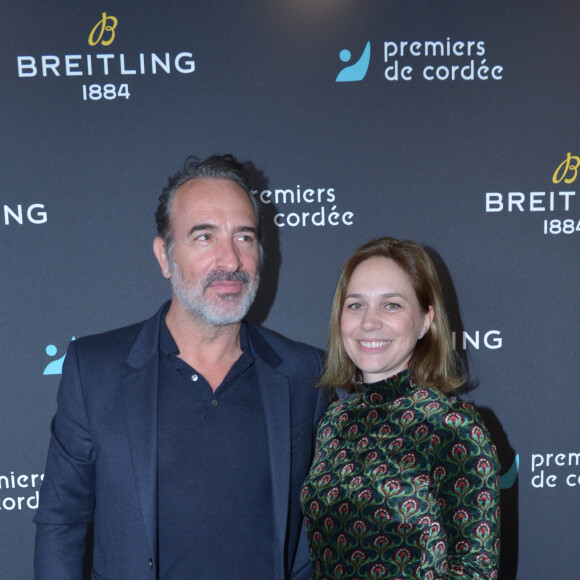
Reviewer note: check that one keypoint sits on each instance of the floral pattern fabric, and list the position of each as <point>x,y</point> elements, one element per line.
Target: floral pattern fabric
<point>404,484</point>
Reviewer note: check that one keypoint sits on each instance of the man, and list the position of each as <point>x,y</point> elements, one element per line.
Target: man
<point>180,443</point>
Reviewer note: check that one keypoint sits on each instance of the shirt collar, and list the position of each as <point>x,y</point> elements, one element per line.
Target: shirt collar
<point>168,346</point>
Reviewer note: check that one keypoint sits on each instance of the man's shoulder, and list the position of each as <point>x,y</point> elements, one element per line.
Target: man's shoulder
<point>116,342</point>
<point>266,342</point>
<point>278,341</point>
<point>115,335</point>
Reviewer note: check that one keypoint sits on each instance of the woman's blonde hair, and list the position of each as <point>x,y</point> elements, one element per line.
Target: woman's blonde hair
<point>434,362</point>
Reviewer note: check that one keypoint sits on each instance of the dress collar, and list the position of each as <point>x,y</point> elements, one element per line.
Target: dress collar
<point>387,390</point>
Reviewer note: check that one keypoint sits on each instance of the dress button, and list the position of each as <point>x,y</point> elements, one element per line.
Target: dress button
<point>194,377</point>
<point>214,403</point>
<point>151,563</point>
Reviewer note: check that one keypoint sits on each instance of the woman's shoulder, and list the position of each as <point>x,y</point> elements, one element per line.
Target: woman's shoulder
<point>344,402</point>
<point>445,410</point>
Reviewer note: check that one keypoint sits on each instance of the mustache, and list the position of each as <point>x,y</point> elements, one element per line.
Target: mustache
<point>221,276</point>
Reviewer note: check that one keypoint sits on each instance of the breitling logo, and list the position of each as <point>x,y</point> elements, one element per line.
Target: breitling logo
<point>104,31</point>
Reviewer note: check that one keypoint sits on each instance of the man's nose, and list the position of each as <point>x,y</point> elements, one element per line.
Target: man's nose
<point>229,256</point>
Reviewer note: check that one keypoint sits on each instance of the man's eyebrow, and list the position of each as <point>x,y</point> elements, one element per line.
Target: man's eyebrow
<point>201,227</point>
<point>251,229</point>
<point>212,227</point>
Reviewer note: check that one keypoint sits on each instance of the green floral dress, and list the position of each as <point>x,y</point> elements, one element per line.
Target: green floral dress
<point>404,484</point>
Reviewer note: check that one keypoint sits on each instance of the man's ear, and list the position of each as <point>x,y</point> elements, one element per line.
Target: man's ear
<point>159,249</point>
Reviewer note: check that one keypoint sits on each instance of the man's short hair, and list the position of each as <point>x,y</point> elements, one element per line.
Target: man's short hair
<point>214,167</point>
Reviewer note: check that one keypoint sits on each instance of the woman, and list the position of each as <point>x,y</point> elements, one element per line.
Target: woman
<point>404,482</point>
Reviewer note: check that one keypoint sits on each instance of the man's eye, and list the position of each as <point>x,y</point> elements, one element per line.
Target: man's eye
<point>203,237</point>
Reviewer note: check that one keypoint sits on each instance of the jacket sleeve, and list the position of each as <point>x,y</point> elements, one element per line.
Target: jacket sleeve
<point>322,400</point>
<point>467,474</point>
<point>302,568</point>
<point>67,493</point>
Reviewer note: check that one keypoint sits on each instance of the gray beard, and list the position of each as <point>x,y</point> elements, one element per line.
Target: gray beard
<point>226,309</point>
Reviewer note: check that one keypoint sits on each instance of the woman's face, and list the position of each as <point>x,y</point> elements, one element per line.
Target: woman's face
<point>381,320</point>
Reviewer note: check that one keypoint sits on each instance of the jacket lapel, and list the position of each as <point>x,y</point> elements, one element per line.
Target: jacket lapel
<point>140,390</point>
<point>275,393</point>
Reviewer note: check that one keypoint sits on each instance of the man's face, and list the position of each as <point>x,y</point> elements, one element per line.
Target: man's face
<point>214,263</point>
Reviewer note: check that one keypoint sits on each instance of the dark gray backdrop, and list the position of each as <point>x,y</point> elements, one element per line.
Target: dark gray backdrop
<point>423,159</point>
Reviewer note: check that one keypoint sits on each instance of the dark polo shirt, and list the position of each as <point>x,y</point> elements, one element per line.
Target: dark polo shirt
<point>214,486</point>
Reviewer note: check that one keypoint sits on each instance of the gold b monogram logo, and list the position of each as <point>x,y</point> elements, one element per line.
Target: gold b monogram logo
<point>106,24</point>
<point>568,167</point>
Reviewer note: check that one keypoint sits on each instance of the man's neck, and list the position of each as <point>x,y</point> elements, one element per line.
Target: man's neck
<point>210,349</point>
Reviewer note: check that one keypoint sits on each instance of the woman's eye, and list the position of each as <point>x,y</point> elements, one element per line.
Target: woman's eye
<point>355,306</point>
<point>392,306</point>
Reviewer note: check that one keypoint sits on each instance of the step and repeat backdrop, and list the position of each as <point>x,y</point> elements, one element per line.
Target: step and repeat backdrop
<point>455,124</point>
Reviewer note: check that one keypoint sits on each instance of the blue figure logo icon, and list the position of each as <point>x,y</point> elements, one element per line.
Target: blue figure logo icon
<point>54,367</point>
<point>358,70</point>
<point>507,479</point>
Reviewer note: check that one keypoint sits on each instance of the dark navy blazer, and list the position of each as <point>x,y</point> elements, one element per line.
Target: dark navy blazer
<point>102,461</point>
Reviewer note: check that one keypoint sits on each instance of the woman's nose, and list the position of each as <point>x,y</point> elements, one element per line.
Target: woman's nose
<point>371,320</point>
